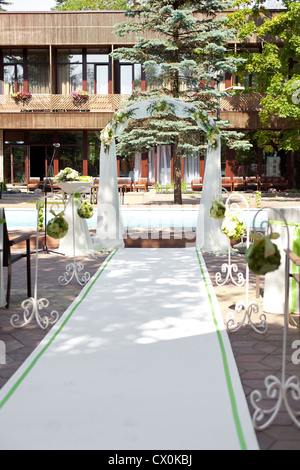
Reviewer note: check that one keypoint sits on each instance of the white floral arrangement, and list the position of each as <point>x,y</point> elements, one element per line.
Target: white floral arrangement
<point>58,226</point>
<point>85,210</point>
<point>233,227</point>
<point>211,136</point>
<point>68,174</point>
<point>107,135</point>
<point>218,209</point>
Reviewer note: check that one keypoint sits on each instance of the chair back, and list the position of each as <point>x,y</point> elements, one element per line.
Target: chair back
<point>4,240</point>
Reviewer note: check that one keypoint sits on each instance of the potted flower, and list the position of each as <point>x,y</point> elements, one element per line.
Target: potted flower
<point>22,96</point>
<point>80,95</point>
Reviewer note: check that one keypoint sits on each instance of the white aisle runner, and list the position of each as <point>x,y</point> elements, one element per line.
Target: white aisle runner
<point>141,360</point>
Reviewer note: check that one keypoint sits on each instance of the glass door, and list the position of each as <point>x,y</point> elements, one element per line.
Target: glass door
<point>15,164</point>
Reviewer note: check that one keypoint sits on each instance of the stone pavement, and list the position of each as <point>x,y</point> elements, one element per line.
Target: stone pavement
<point>257,356</point>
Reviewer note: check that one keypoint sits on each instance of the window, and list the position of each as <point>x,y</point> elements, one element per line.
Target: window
<point>38,71</point>
<point>69,70</point>
<point>97,71</point>
<point>93,154</point>
<point>130,77</point>
<point>13,70</point>
<point>25,69</point>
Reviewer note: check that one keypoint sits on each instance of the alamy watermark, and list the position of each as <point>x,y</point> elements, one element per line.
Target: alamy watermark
<point>296,94</point>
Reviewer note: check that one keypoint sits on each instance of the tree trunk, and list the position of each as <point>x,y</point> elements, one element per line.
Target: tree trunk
<point>177,174</point>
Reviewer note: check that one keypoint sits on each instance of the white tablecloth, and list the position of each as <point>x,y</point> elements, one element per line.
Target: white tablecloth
<point>83,241</point>
<point>274,282</point>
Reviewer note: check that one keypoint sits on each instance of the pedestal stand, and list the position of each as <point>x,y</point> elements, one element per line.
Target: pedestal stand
<point>33,305</point>
<point>248,308</point>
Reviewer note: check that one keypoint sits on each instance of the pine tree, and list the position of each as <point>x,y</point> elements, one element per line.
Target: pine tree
<point>184,53</point>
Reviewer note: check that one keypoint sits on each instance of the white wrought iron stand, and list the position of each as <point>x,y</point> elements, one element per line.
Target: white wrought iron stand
<point>277,388</point>
<point>248,308</point>
<point>229,267</point>
<point>73,269</point>
<point>33,305</point>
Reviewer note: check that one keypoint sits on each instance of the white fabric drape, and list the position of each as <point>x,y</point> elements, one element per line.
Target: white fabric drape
<point>191,168</point>
<point>109,229</point>
<point>109,225</point>
<point>164,164</point>
<point>209,236</point>
<point>137,172</point>
<point>151,165</point>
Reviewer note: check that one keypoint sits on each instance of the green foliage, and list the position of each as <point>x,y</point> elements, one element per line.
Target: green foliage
<point>276,67</point>
<point>186,54</point>
<point>79,5</point>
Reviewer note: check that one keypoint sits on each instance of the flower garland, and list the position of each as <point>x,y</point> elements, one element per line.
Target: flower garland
<point>218,209</point>
<point>233,227</point>
<point>211,136</point>
<point>263,256</point>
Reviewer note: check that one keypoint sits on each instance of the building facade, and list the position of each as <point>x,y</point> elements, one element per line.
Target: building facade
<point>53,55</point>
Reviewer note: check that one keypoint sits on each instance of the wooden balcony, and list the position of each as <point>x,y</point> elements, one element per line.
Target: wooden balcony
<point>61,103</point>
<point>103,103</point>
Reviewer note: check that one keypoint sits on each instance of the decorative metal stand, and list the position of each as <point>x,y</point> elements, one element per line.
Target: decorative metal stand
<point>248,308</point>
<point>73,269</point>
<point>33,305</point>
<point>278,389</point>
<point>229,267</point>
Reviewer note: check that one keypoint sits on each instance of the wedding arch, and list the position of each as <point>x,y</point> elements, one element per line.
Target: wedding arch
<point>109,232</point>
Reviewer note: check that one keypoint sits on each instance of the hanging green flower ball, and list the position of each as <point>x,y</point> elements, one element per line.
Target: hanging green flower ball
<point>263,256</point>
<point>217,210</point>
<point>57,227</point>
<point>85,210</point>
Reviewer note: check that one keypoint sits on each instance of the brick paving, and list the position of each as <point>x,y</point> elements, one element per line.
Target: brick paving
<point>257,356</point>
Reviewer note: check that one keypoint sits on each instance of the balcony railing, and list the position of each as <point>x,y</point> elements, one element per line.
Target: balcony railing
<point>107,103</point>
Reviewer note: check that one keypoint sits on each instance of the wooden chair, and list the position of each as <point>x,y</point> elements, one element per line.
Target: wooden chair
<point>94,191</point>
<point>227,182</point>
<point>238,183</point>
<point>251,182</point>
<point>125,184</point>
<point>9,258</point>
<point>141,183</point>
<point>33,183</point>
<point>196,184</point>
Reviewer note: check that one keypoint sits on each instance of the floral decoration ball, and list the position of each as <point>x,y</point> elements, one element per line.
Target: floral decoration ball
<point>257,261</point>
<point>57,227</point>
<point>85,210</point>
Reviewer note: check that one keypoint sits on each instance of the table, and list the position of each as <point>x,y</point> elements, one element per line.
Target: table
<point>274,282</point>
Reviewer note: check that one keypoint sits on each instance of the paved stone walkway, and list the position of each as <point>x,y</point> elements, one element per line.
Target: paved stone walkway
<point>257,356</point>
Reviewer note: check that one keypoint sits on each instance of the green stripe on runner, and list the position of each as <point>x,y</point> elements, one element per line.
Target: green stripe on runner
<point>225,362</point>
<point>39,355</point>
